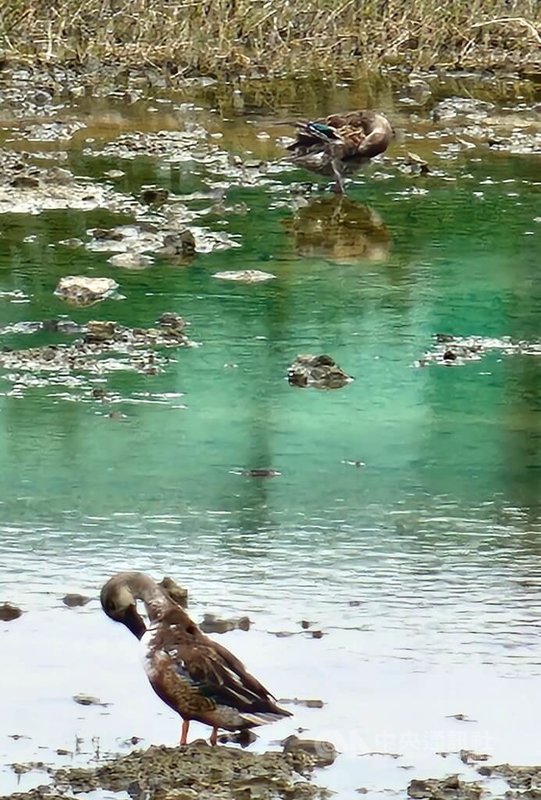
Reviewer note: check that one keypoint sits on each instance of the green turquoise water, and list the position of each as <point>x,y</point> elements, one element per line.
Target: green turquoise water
<point>436,535</point>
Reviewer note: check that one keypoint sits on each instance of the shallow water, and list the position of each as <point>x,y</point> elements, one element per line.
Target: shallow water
<point>420,565</point>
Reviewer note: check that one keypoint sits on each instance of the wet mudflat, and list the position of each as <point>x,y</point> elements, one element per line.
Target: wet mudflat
<point>380,534</point>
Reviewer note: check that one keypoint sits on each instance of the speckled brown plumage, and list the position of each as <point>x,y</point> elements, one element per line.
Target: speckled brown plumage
<point>193,674</point>
<point>339,145</point>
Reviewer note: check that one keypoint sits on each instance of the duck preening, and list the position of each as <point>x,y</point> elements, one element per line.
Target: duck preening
<point>197,677</point>
<point>339,145</point>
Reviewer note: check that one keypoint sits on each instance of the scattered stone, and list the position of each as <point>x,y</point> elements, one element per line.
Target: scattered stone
<point>175,323</point>
<point>452,350</point>
<point>524,780</point>
<point>29,188</point>
<point>453,107</point>
<point>66,326</point>
<point>60,175</point>
<point>107,234</point>
<point>261,473</point>
<point>486,771</point>
<point>467,756</point>
<point>154,195</point>
<point>245,276</point>
<point>88,700</point>
<point>66,364</point>
<point>305,624</point>
<point>73,600</point>
<point>181,243</point>
<point>460,717</point>
<point>25,182</point>
<point>213,624</point>
<point>177,593</point>
<point>60,751</point>
<point>244,738</point>
<point>323,753</point>
<point>414,165</point>
<point>316,634</point>
<point>9,612</point>
<point>20,769</point>
<point>296,701</point>
<point>133,740</point>
<point>114,174</point>
<point>450,788</point>
<point>129,260</point>
<point>321,372</point>
<point>83,291</point>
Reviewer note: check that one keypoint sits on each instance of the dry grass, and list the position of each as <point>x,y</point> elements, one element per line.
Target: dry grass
<point>273,37</point>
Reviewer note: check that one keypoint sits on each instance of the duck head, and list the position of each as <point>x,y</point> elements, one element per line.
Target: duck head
<point>119,603</point>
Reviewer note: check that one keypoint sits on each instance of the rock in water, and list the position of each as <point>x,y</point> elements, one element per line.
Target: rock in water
<point>9,612</point>
<point>84,291</point>
<point>321,371</point>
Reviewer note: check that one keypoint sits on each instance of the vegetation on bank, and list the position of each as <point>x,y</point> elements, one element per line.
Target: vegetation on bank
<point>223,38</point>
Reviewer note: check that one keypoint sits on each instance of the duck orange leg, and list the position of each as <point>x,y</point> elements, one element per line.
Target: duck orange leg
<point>184,732</point>
<point>214,737</point>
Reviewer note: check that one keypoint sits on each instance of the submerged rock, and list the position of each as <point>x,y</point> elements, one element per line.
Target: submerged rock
<point>450,788</point>
<point>83,291</point>
<point>88,700</point>
<point>213,624</point>
<point>296,701</point>
<point>321,372</point>
<point>323,753</point>
<point>245,738</point>
<point>130,260</point>
<point>9,612</point>
<point>245,276</point>
<point>154,195</point>
<point>73,600</point>
<point>261,472</point>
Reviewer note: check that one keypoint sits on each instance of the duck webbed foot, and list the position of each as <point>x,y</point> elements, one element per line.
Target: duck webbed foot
<point>214,737</point>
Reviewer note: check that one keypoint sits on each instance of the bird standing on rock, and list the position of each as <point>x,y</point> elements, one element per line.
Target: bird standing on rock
<point>197,677</point>
<point>339,145</point>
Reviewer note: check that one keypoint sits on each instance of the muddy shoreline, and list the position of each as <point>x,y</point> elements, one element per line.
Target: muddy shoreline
<point>225,773</point>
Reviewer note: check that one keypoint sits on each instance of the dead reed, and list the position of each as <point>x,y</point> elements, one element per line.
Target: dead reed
<point>270,38</point>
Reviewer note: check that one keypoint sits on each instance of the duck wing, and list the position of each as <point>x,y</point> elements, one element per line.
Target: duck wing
<point>183,655</point>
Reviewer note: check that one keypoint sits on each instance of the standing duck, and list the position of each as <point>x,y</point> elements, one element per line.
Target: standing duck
<point>339,145</point>
<point>197,677</point>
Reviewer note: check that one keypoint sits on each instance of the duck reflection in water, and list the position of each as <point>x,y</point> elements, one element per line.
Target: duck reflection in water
<point>338,229</point>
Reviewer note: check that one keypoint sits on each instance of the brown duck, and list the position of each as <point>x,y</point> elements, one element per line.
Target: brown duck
<point>339,145</point>
<point>197,677</point>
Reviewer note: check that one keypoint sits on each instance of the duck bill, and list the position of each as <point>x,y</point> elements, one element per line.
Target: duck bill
<point>134,622</point>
